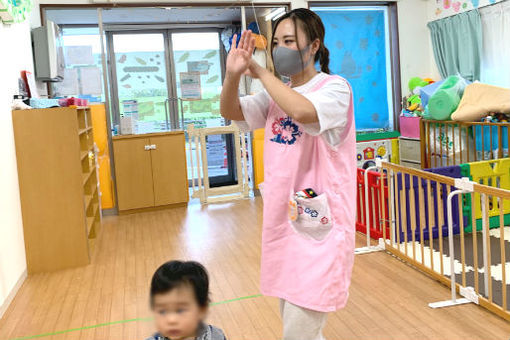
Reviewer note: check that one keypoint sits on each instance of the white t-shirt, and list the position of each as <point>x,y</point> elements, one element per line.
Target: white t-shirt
<point>331,102</point>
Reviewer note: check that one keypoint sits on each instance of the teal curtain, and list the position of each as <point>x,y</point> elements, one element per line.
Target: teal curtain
<point>457,45</point>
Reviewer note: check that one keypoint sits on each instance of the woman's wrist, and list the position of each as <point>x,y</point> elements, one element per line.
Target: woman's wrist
<point>232,76</point>
<point>265,75</point>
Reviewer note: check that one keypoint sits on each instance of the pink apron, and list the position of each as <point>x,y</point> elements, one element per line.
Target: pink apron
<point>308,262</point>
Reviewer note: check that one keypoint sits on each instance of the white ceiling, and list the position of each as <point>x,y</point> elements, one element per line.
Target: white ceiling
<point>151,15</point>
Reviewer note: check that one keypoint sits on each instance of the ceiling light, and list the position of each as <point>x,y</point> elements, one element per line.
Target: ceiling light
<point>276,13</point>
<point>276,17</point>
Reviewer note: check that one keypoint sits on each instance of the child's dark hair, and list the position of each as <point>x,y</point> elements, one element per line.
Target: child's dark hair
<point>174,274</point>
<point>313,27</point>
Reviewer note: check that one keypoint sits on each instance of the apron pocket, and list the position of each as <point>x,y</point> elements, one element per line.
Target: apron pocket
<point>311,217</point>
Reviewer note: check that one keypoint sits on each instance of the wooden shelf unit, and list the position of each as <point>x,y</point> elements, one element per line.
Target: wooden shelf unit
<point>58,186</point>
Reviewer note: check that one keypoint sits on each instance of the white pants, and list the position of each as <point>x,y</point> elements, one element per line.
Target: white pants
<point>300,323</point>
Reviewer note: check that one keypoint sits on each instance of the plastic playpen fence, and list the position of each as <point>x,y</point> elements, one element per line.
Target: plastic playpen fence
<point>479,257</point>
<point>372,216</point>
<point>445,143</point>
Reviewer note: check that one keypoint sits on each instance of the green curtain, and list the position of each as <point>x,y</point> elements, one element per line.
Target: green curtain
<point>457,45</point>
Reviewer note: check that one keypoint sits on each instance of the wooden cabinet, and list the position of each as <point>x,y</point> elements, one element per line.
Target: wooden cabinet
<point>169,171</point>
<point>133,173</point>
<point>58,186</point>
<point>150,170</point>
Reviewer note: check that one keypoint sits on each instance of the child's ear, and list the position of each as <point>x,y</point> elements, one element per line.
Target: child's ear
<point>204,311</point>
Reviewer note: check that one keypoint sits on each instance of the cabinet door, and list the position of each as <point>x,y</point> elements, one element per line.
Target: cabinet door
<point>169,169</point>
<point>133,173</point>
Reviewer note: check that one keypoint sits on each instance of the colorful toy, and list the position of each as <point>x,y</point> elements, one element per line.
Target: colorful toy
<point>427,91</point>
<point>306,193</point>
<point>416,82</point>
<point>367,152</point>
<point>414,103</point>
<point>445,99</point>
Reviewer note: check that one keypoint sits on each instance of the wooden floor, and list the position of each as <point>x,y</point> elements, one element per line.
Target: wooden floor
<point>388,299</point>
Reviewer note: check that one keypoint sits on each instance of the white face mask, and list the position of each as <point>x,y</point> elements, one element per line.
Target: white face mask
<point>288,61</point>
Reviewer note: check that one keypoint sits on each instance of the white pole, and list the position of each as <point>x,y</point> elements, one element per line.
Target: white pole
<point>190,142</point>
<point>367,211</point>
<point>467,188</point>
<point>393,207</point>
<point>484,243</point>
<point>369,248</point>
<point>205,169</point>
<point>450,241</point>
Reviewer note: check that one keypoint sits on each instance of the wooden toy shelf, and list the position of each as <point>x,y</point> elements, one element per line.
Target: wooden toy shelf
<point>58,186</point>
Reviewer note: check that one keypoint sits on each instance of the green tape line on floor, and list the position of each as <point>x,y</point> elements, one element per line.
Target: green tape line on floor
<point>123,321</point>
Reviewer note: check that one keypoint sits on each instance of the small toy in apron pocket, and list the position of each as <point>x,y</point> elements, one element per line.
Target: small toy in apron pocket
<point>293,205</point>
<point>309,214</point>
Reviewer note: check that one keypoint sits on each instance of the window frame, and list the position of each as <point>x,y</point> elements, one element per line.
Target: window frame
<point>394,46</point>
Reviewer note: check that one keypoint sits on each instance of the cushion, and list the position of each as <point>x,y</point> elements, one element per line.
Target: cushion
<point>481,99</point>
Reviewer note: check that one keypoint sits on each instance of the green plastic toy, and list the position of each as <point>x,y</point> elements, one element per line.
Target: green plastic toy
<point>416,82</point>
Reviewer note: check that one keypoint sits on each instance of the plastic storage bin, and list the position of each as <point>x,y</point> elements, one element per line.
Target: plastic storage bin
<point>410,127</point>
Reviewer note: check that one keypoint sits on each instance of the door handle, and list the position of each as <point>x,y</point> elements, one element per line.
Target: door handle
<point>147,148</point>
<point>153,147</point>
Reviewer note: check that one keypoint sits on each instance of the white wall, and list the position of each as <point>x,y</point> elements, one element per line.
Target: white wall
<point>445,8</point>
<point>416,56</point>
<point>16,56</point>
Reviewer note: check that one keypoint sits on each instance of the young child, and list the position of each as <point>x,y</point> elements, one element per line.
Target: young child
<point>180,300</point>
<point>310,142</point>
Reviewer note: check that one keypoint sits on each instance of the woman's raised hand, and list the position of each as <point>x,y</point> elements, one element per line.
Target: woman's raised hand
<point>239,57</point>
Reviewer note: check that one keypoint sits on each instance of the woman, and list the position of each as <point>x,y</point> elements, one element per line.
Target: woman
<point>307,243</point>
